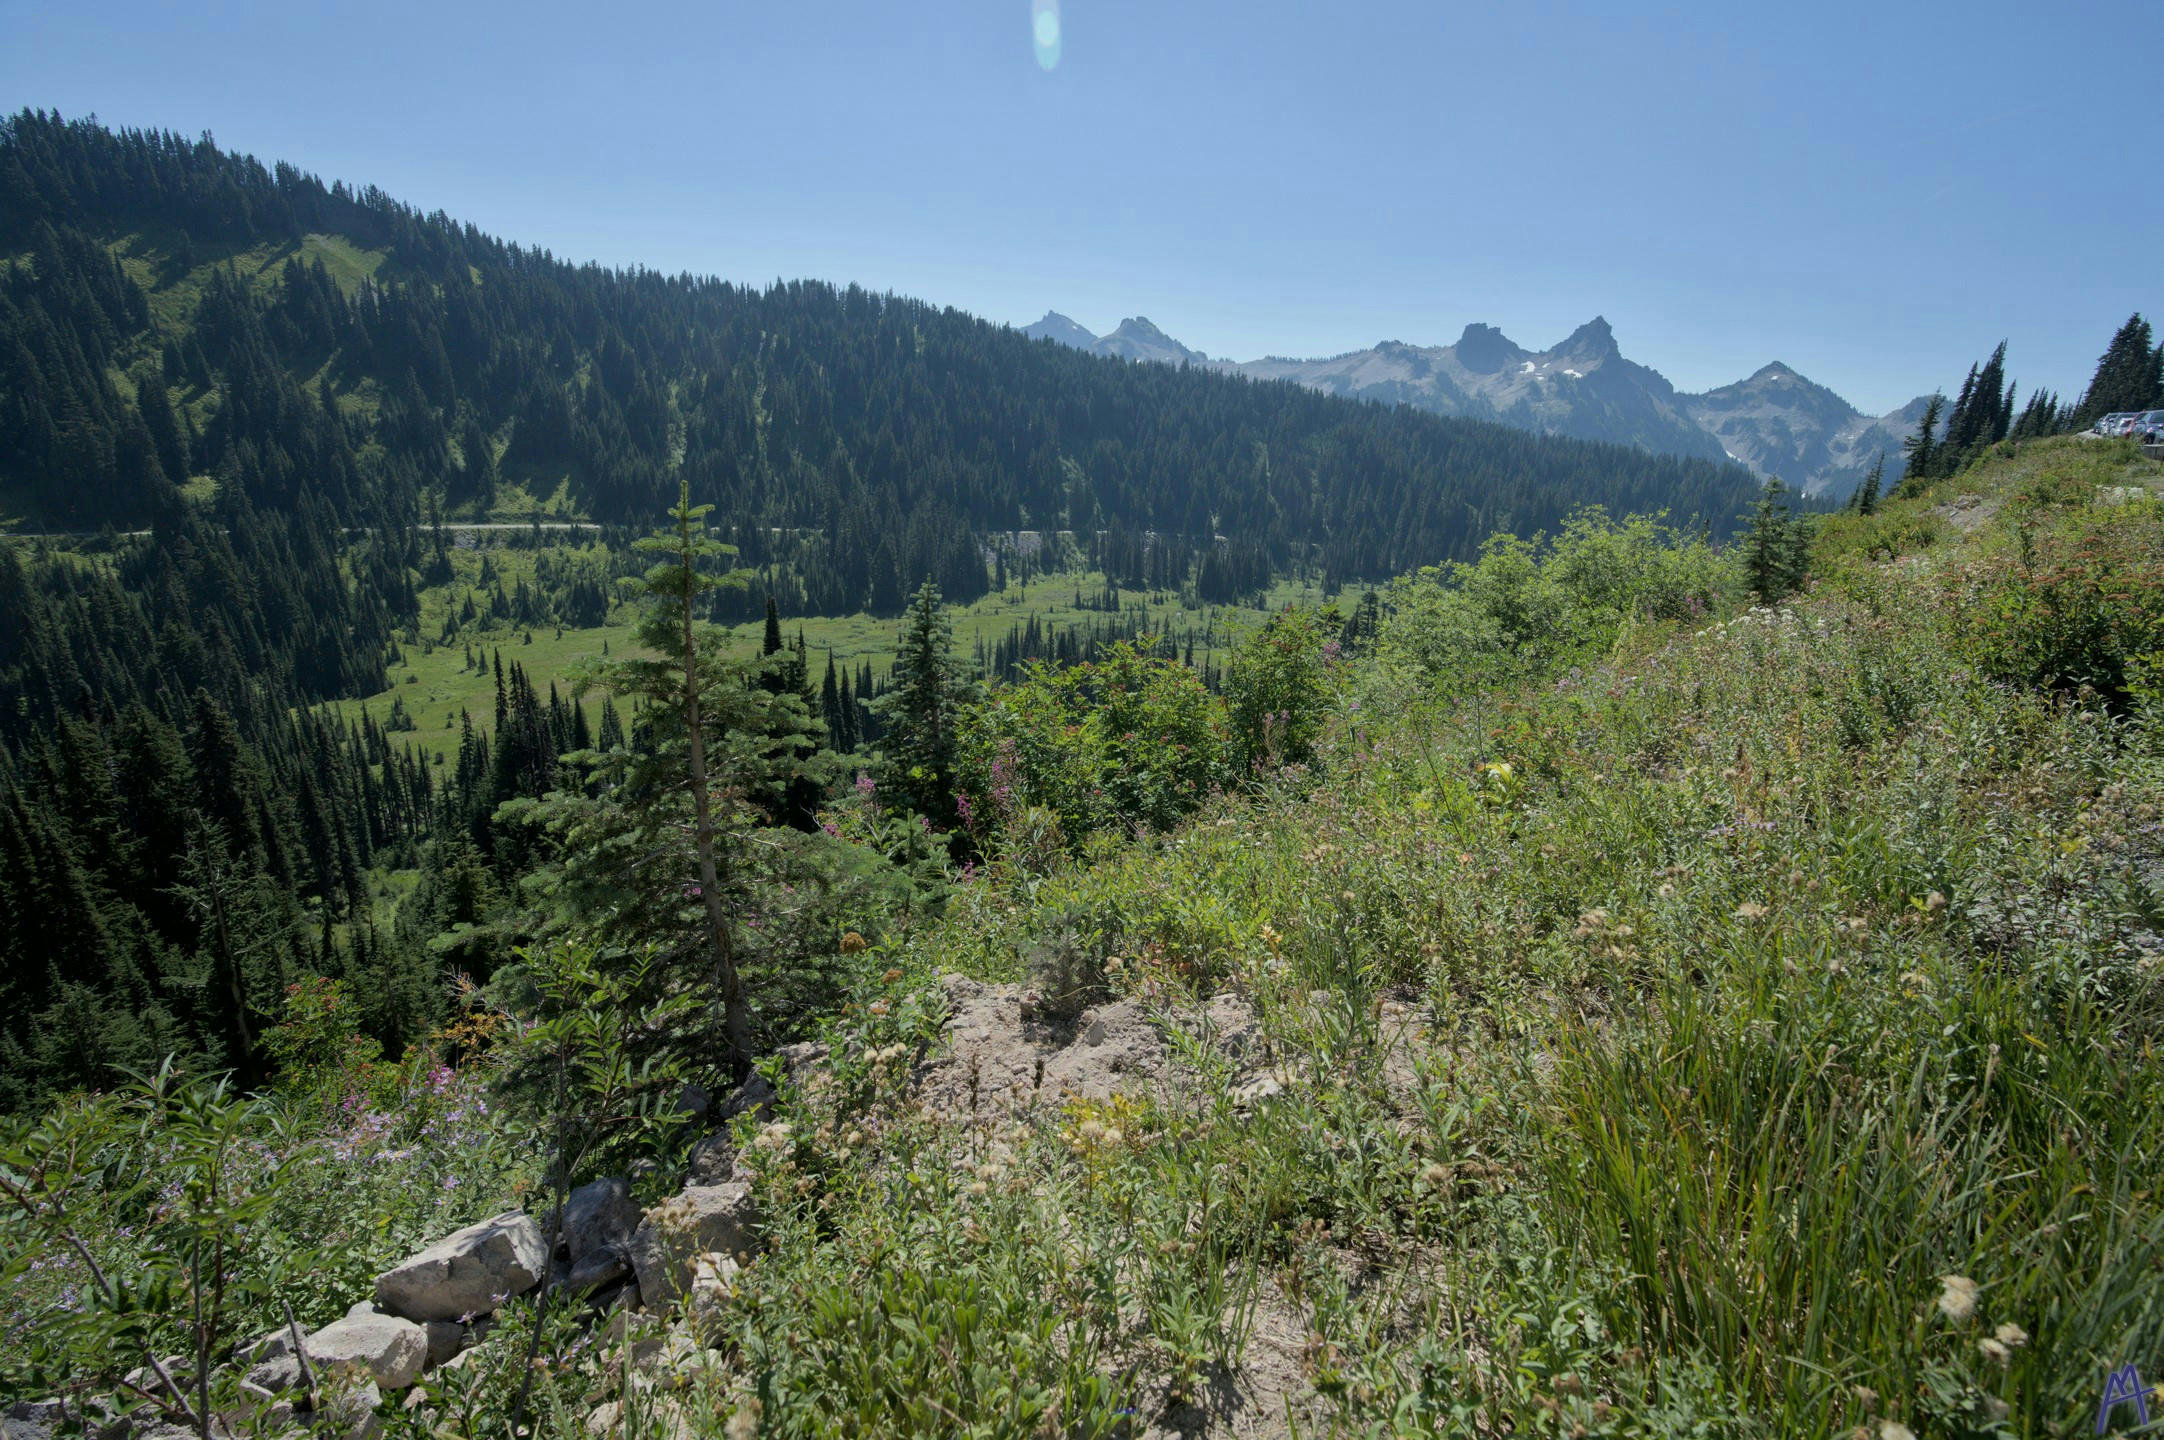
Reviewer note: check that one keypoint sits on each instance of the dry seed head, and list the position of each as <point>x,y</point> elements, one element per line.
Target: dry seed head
<point>1994,1351</point>
<point>1957,1297</point>
<point>2012,1336</point>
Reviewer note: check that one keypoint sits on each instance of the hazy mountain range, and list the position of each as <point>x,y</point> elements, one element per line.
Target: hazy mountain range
<point>1776,422</point>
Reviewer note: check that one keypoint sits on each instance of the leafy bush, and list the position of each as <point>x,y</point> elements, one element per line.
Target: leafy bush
<point>1129,742</point>
<point>1528,607</point>
<point>2082,606</point>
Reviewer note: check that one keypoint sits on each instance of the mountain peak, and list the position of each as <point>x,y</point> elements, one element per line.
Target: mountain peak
<point>1594,340</point>
<point>1483,349</point>
<point>1055,326</point>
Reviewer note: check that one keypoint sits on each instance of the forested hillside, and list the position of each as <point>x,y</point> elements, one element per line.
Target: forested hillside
<point>171,311</point>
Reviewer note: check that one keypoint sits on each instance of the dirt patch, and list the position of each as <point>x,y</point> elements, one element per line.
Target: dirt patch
<point>1968,513</point>
<point>1264,1397</point>
<point>1001,1055</point>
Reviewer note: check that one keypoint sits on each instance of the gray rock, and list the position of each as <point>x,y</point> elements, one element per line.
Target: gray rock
<point>599,1215</point>
<point>383,1348</point>
<point>694,1101</point>
<point>268,1346</point>
<point>713,1160</point>
<point>755,1097</point>
<point>280,1372</point>
<point>601,1267</point>
<point>702,1219</point>
<point>445,1339</point>
<point>352,1414</point>
<point>467,1273</point>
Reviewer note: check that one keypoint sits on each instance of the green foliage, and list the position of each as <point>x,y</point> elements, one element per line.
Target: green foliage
<point>1130,742</point>
<point>922,714</point>
<point>2129,374</point>
<point>1278,690</point>
<point>2081,606</point>
<point>599,1047</point>
<point>1528,608</point>
<point>1776,549</point>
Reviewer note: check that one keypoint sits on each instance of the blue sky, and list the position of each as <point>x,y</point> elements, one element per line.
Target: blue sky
<point>1875,194</point>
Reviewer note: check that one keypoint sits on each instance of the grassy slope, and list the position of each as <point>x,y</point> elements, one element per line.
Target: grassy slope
<point>1790,970</point>
<point>1654,1085</point>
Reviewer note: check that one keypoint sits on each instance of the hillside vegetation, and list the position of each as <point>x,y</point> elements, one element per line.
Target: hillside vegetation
<point>1587,1003</point>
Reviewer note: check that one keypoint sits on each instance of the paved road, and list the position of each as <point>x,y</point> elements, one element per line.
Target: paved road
<point>459,528</point>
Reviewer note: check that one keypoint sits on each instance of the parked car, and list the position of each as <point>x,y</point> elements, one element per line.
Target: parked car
<point>2107,424</point>
<point>2149,427</point>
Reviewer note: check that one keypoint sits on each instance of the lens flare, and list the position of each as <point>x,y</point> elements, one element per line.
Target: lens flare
<point>1044,31</point>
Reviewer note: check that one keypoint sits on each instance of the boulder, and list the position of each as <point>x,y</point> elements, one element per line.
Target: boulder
<point>351,1414</point>
<point>597,1216</point>
<point>268,1346</point>
<point>445,1339</point>
<point>598,1270</point>
<point>701,1220</point>
<point>380,1348</point>
<point>713,1161</point>
<point>278,1373</point>
<point>467,1273</point>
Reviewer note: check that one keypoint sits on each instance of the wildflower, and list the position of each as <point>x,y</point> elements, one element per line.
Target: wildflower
<point>978,1187</point>
<point>853,1139</point>
<point>1894,1430</point>
<point>2012,1336</point>
<point>744,1424</point>
<point>1935,902</point>
<point>1993,1350</point>
<point>1752,910</point>
<point>853,943</point>
<point>1435,1175</point>
<point>1667,890</point>
<point>1957,1297</point>
<point>890,977</point>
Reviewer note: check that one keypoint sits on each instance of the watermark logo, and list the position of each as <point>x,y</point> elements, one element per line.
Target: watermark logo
<point>2123,1387</point>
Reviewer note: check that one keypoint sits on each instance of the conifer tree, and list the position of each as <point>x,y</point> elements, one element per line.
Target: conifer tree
<point>1776,550</point>
<point>2129,375</point>
<point>1868,493</point>
<point>1922,447</point>
<point>921,712</point>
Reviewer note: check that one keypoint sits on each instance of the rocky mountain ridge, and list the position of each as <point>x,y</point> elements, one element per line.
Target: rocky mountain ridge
<point>1777,422</point>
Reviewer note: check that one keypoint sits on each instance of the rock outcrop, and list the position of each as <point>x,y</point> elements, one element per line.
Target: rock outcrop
<point>703,1219</point>
<point>388,1350</point>
<point>467,1273</point>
